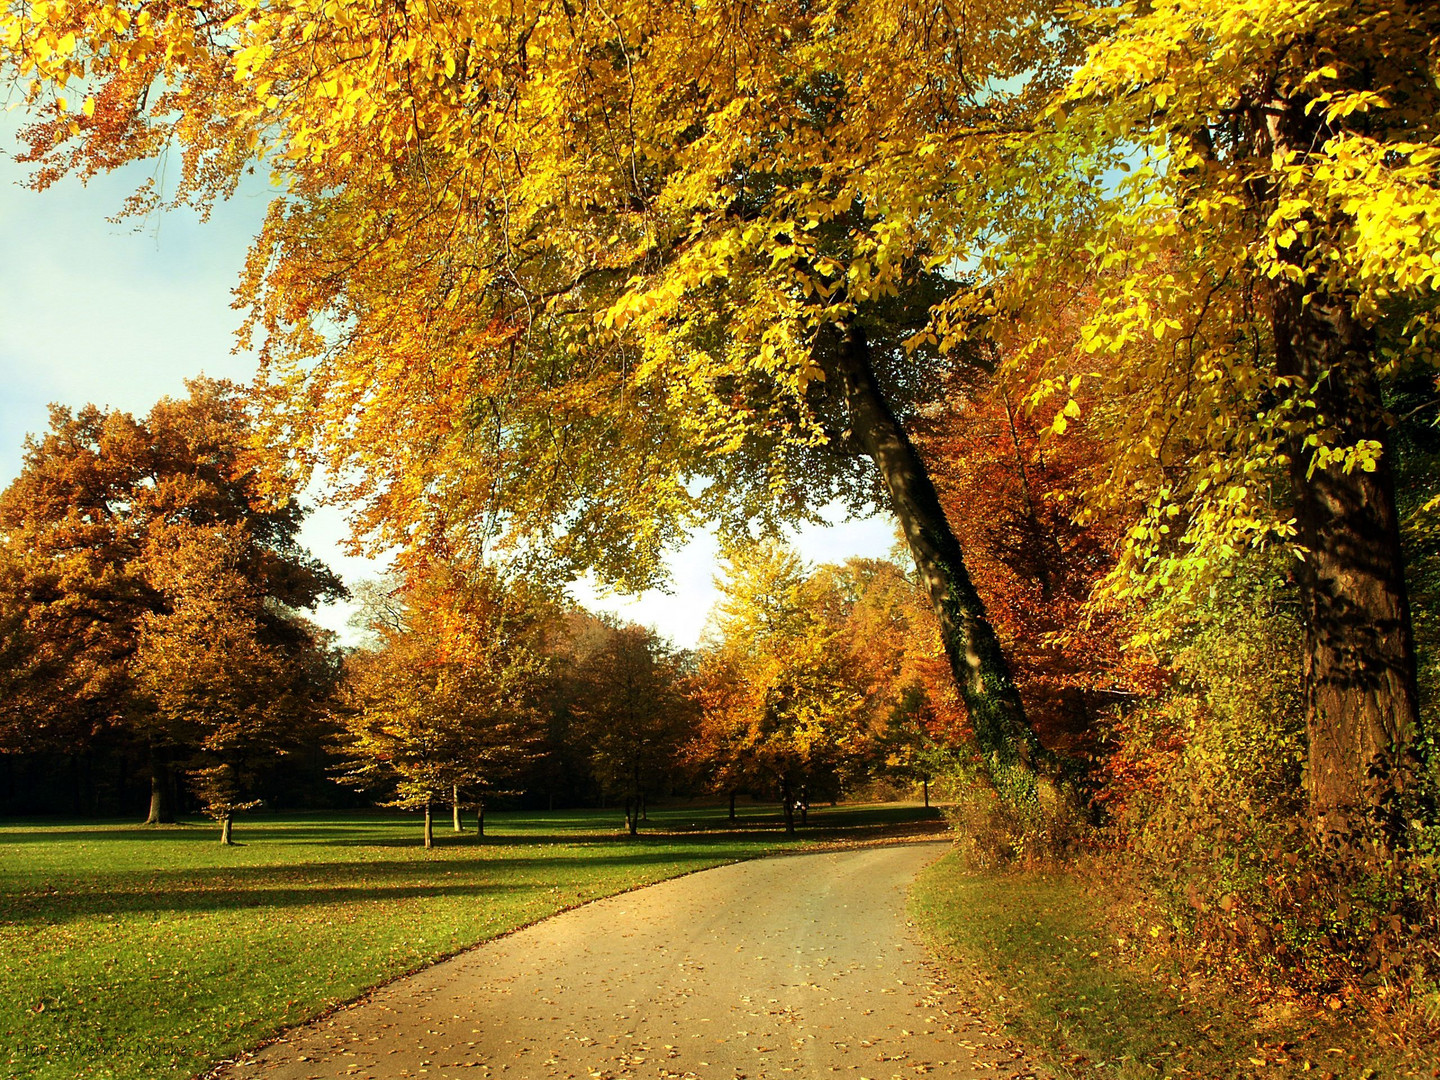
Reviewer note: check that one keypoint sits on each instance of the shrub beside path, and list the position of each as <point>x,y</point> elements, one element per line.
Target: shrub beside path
<point>793,966</point>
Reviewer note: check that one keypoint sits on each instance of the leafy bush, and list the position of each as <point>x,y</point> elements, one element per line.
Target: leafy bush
<point>993,832</point>
<point>1216,835</point>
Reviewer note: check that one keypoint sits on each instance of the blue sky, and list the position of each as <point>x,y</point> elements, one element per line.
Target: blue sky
<point>121,314</point>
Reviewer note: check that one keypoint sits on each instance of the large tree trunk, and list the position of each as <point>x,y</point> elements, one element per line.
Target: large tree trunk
<point>225,832</point>
<point>732,805</point>
<point>429,826</point>
<point>1361,702</point>
<point>455,807</point>
<point>1002,731</point>
<point>162,811</point>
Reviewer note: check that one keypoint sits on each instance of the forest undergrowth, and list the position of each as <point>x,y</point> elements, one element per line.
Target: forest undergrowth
<point>1067,959</point>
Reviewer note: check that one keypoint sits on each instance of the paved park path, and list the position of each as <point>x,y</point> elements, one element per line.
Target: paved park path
<point>796,966</point>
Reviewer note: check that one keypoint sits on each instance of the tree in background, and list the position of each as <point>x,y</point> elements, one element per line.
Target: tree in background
<point>785,700</point>
<point>908,747</point>
<point>119,532</point>
<point>229,680</point>
<point>633,713</point>
<point>562,771</point>
<point>918,724</point>
<point>719,751</point>
<point>445,707</point>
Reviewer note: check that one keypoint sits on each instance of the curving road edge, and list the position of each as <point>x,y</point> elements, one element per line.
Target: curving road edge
<point>794,966</point>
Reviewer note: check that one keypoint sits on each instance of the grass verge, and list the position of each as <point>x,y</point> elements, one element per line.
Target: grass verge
<point>134,953</point>
<point>1043,955</point>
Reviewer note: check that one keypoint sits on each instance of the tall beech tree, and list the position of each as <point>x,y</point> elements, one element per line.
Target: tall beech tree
<point>1263,274</point>
<point>105,533</point>
<point>518,285</point>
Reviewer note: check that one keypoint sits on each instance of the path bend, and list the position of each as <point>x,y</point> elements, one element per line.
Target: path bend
<point>794,966</point>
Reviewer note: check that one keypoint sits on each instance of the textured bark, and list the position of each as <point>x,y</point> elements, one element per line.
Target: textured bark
<point>162,810</point>
<point>1361,701</point>
<point>429,828</point>
<point>225,837</point>
<point>455,808</point>
<point>1002,731</point>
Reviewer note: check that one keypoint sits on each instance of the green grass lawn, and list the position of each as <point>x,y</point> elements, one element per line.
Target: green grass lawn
<point>140,953</point>
<point>1039,953</point>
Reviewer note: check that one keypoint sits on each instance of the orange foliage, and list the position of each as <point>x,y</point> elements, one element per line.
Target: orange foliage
<point>1012,486</point>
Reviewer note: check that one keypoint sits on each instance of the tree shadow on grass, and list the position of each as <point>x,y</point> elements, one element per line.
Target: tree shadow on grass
<point>64,906</point>
<point>393,830</point>
<point>244,887</point>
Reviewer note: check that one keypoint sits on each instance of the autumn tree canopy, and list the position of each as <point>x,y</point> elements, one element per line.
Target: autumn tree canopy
<point>563,280</point>
<point>153,591</point>
<point>533,278</point>
<point>444,705</point>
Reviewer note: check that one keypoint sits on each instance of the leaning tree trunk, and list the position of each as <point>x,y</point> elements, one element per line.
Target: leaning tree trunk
<point>225,837</point>
<point>1361,701</point>
<point>162,810</point>
<point>1009,744</point>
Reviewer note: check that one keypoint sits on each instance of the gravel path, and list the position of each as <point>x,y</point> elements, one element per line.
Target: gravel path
<point>796,966</point>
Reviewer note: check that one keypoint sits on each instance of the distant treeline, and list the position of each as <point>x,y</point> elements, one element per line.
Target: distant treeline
<point>156,654</point>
